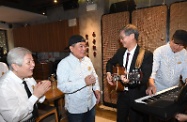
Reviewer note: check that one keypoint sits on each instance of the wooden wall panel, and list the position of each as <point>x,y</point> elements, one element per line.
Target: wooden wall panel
<point>152,25</point>
<point>48,37</point>
<point>178,17</point>
<point>39,38</point>
<point>111,24</point>
<point>64,32</point>
<point>53,36</point>
<point>22,36</point>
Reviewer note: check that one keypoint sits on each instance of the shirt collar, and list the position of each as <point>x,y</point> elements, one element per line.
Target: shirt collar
<point>132,51</point>
<point>14,76</point>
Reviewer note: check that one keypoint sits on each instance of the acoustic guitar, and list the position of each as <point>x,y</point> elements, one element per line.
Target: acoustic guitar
<point>134,78</point>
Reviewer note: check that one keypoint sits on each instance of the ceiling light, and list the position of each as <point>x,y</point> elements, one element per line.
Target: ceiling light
<point>55,1</point>
<point>90,1</point>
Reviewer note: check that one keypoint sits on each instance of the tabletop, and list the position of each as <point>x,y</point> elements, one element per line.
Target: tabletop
<point>53,94</point>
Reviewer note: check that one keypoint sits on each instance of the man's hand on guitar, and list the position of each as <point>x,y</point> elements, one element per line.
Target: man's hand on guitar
<point>124,79</point>
<point>109,78</point>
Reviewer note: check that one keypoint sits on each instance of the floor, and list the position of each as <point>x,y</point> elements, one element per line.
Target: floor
<point>103,114</point>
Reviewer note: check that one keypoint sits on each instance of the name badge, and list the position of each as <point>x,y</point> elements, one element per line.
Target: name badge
<point>89,68</point>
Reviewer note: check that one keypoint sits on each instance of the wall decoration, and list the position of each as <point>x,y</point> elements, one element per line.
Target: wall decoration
<point>94,44</point>
<point>86,36</point>
<point>93,34</point>
<point>94,48</point>
<point>87,44</point>
<point>94,41</point>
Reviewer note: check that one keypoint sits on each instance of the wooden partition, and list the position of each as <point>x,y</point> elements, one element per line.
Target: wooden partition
<point>111,24</point>
<point>178,17</point>
<point>152,25</point>
<point>46,37</point>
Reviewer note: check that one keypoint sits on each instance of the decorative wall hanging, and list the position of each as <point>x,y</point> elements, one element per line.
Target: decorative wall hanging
<point>94,44</point>
<point>87,44</point>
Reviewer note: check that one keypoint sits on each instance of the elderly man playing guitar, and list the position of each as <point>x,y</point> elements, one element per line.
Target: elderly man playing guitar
<point>134,59</point>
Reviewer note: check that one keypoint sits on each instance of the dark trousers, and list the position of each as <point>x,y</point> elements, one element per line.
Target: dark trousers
<point>83,117</point>
<point>125,113</point>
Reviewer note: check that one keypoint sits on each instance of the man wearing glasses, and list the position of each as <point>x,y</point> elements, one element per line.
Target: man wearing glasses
<point>169,63</point>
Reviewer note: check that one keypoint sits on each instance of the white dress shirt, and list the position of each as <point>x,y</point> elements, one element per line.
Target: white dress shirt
<point>71,73</point>
<point>130,58</point>
<point>168,66</point>
<point>15,106</point>
<point>129,61</point>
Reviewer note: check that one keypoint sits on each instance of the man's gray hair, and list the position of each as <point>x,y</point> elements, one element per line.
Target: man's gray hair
<point>130,29</point>
<point>16,56</point>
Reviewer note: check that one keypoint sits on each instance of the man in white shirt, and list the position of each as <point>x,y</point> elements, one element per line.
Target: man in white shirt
<point>15,103</point>
<point>169,63</point>
<point>78,80</point>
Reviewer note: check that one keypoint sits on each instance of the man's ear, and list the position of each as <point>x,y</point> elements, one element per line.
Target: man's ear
<point>71,48</point>
<point>14,67</point>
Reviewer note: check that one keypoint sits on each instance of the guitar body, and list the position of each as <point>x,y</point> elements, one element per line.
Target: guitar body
<point>134,78</point>
<point>118,85</point>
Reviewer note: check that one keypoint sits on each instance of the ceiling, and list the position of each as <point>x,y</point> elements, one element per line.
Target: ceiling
<point>20,11</point>
<point>38,5</point>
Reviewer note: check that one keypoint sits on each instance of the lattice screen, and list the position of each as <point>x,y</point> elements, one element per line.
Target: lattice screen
<point>178,17</point>
<point>111,24</point>
<point>151,23</point>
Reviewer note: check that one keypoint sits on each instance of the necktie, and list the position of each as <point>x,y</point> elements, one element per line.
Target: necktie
<point>29,94</point>
<point>127,59</point>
